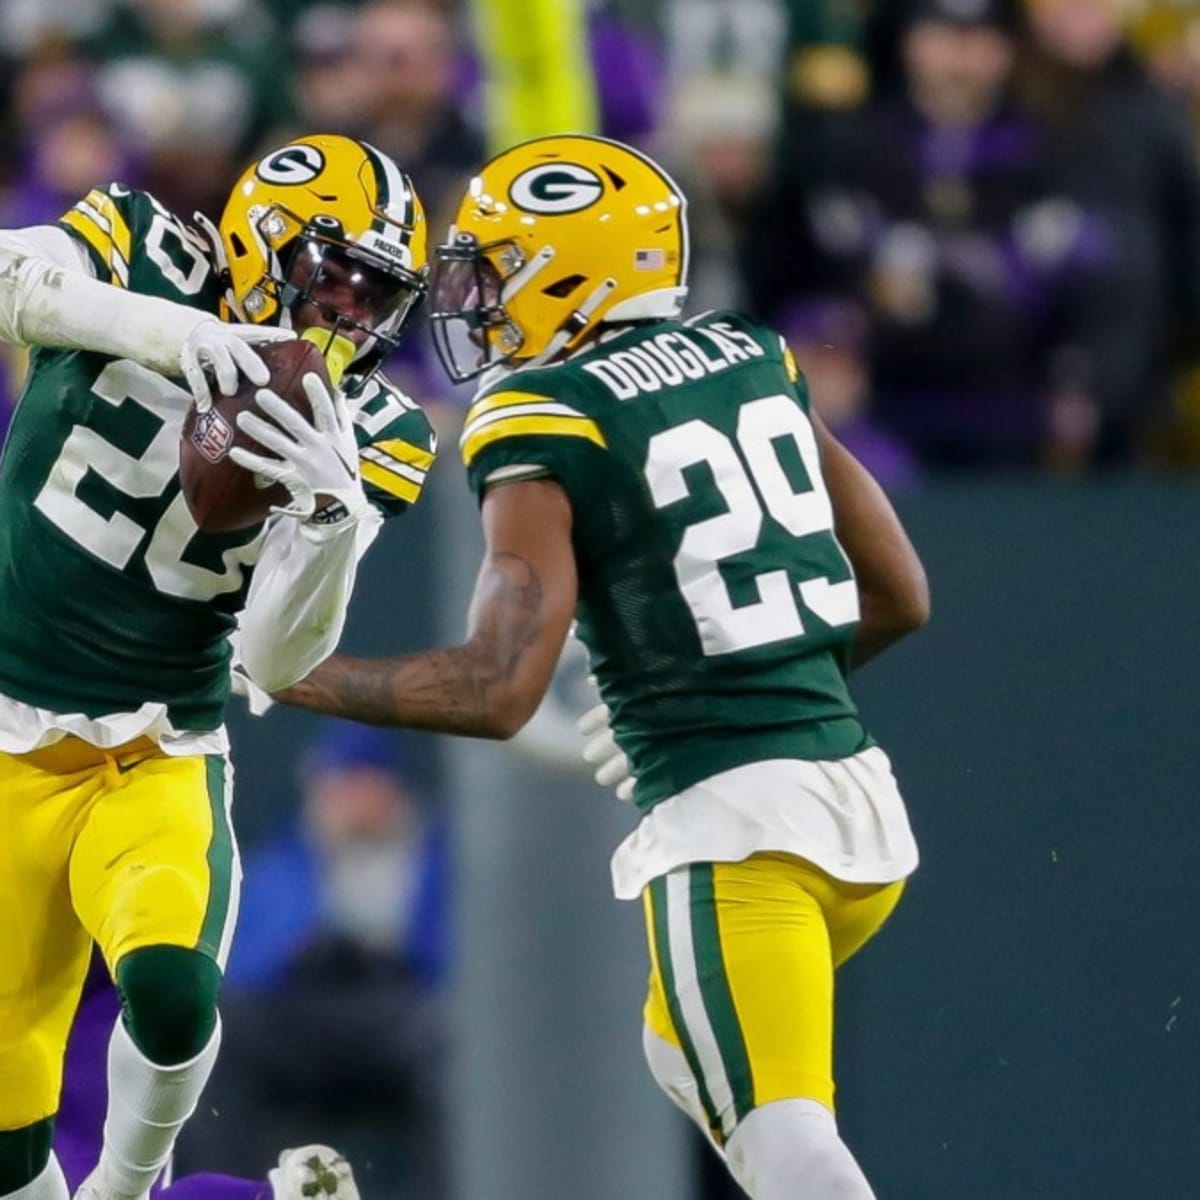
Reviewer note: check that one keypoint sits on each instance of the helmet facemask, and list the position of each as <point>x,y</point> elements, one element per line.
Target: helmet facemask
<point>319,278</point>
<point>472,330</point>
<point>476,285</point>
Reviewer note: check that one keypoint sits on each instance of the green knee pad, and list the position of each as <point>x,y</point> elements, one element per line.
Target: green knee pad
<point>169,999</point>
<point>24,1154</point>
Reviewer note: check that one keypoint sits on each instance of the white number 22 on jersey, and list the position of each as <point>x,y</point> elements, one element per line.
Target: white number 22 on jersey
<point>737,470</point>
<point>115,538</point>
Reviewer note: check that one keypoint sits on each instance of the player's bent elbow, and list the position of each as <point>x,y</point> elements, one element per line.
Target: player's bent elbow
<point>916,608</point>
<point>507,712</point>
<point>273,672</point>
<point>498,728</point>
<point>504,722</point>
<point>900,610</point>
<point>909,598</point>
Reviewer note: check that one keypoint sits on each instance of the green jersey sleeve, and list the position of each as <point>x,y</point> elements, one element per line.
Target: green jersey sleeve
<point>134,242</point>
<point>531,424</point>
<point>396,446</point>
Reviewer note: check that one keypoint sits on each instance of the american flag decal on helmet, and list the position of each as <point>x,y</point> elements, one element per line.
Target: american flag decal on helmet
<point>212,435</point>
<point>649,260</point>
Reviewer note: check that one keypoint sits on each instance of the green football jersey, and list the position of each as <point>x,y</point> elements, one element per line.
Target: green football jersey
<point>111,596</point>
<point>716,604</point>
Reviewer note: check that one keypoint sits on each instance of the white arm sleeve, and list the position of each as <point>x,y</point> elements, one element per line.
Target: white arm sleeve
<point>296,608</point>
<point>49,298</point>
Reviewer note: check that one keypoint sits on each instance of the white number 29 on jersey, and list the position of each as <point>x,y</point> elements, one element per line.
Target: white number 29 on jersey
<point>775,616</point>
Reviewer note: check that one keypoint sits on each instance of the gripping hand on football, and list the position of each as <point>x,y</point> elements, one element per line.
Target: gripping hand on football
<point>601,750</point>
<point>227,351</point>
<point>317,462</point>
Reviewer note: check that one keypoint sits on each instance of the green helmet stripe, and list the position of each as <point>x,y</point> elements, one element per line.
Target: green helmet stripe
<point>390,183</point>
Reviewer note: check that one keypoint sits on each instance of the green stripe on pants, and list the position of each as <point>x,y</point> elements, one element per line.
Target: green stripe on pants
<point>219,858</point>
<point>714,988</point>
<point>662,946</point>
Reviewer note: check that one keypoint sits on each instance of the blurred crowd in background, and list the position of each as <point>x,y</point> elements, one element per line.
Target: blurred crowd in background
<point>977,221</point>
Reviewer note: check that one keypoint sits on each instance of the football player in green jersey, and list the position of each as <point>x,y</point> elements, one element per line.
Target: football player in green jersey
<point>665,483</point>
<point>115,646</point>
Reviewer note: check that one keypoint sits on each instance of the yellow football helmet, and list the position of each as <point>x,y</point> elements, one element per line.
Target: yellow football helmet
<point>554,238</point>
<point>330,223</point>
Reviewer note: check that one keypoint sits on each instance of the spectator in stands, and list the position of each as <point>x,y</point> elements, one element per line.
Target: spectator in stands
<point>195,85</point>
<point>725,64</point>
<point>933,214</point>
<point>408,58</point>
<point>68,155</point>
<point>330,90</point>
<point>722,128</point>
<point>629,74</point>
<point>27,25</point>
<point>1121,148</point>
<point>64,145</point>
<point>829,341</point>
<point>334,1009</point>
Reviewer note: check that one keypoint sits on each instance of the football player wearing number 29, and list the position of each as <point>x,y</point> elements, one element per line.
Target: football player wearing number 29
<point>666,483</point>
<point>115,646</point>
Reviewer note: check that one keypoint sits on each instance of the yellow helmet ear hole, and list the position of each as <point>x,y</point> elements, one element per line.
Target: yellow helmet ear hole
<point>236,246</point>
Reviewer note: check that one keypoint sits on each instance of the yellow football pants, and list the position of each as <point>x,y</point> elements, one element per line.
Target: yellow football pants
<point>742,957</point>
<point>127,848</point>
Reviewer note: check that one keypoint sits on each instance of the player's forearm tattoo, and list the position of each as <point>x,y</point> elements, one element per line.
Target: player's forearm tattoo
<point>456,689</point>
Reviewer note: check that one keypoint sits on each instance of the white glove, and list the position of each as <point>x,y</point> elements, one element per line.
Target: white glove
<point>225,350</point>
<point>601,747</point>
<point>314,460</point>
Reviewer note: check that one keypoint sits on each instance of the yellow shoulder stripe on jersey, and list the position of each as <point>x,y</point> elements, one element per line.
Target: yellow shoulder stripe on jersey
<point>503,400</point>
<point>406,452</point>
<point>99,241</point>
<point>789,362</point>
<point>98,220</point>
<point>504,405</point>
<point>388,481</point>
<point>515,426</point>
<point>121,237</point>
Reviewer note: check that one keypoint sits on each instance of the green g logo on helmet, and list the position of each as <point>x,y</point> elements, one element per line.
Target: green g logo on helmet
<point>556,188</point>
<point>294,164</point>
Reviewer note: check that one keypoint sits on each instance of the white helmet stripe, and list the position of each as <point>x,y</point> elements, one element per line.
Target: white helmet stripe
<point>396,197</point>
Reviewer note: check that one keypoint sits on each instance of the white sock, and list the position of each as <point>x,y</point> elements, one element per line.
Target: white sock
<point>790,1150</point>
<point>147,1106</point>
<point>51,1184</point>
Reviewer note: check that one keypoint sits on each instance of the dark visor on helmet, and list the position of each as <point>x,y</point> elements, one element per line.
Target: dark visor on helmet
<point>471,330</point>
<point>333,284</point>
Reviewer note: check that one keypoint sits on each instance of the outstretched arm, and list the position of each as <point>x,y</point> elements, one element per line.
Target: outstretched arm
<point>490,685</point>
<point>893,590</point>
<point>48,298</point>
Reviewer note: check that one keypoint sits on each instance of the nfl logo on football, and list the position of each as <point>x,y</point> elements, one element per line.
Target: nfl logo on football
<point>212,435</point>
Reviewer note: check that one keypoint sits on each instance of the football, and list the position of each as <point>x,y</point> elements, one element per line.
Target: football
<point>221,496</point>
